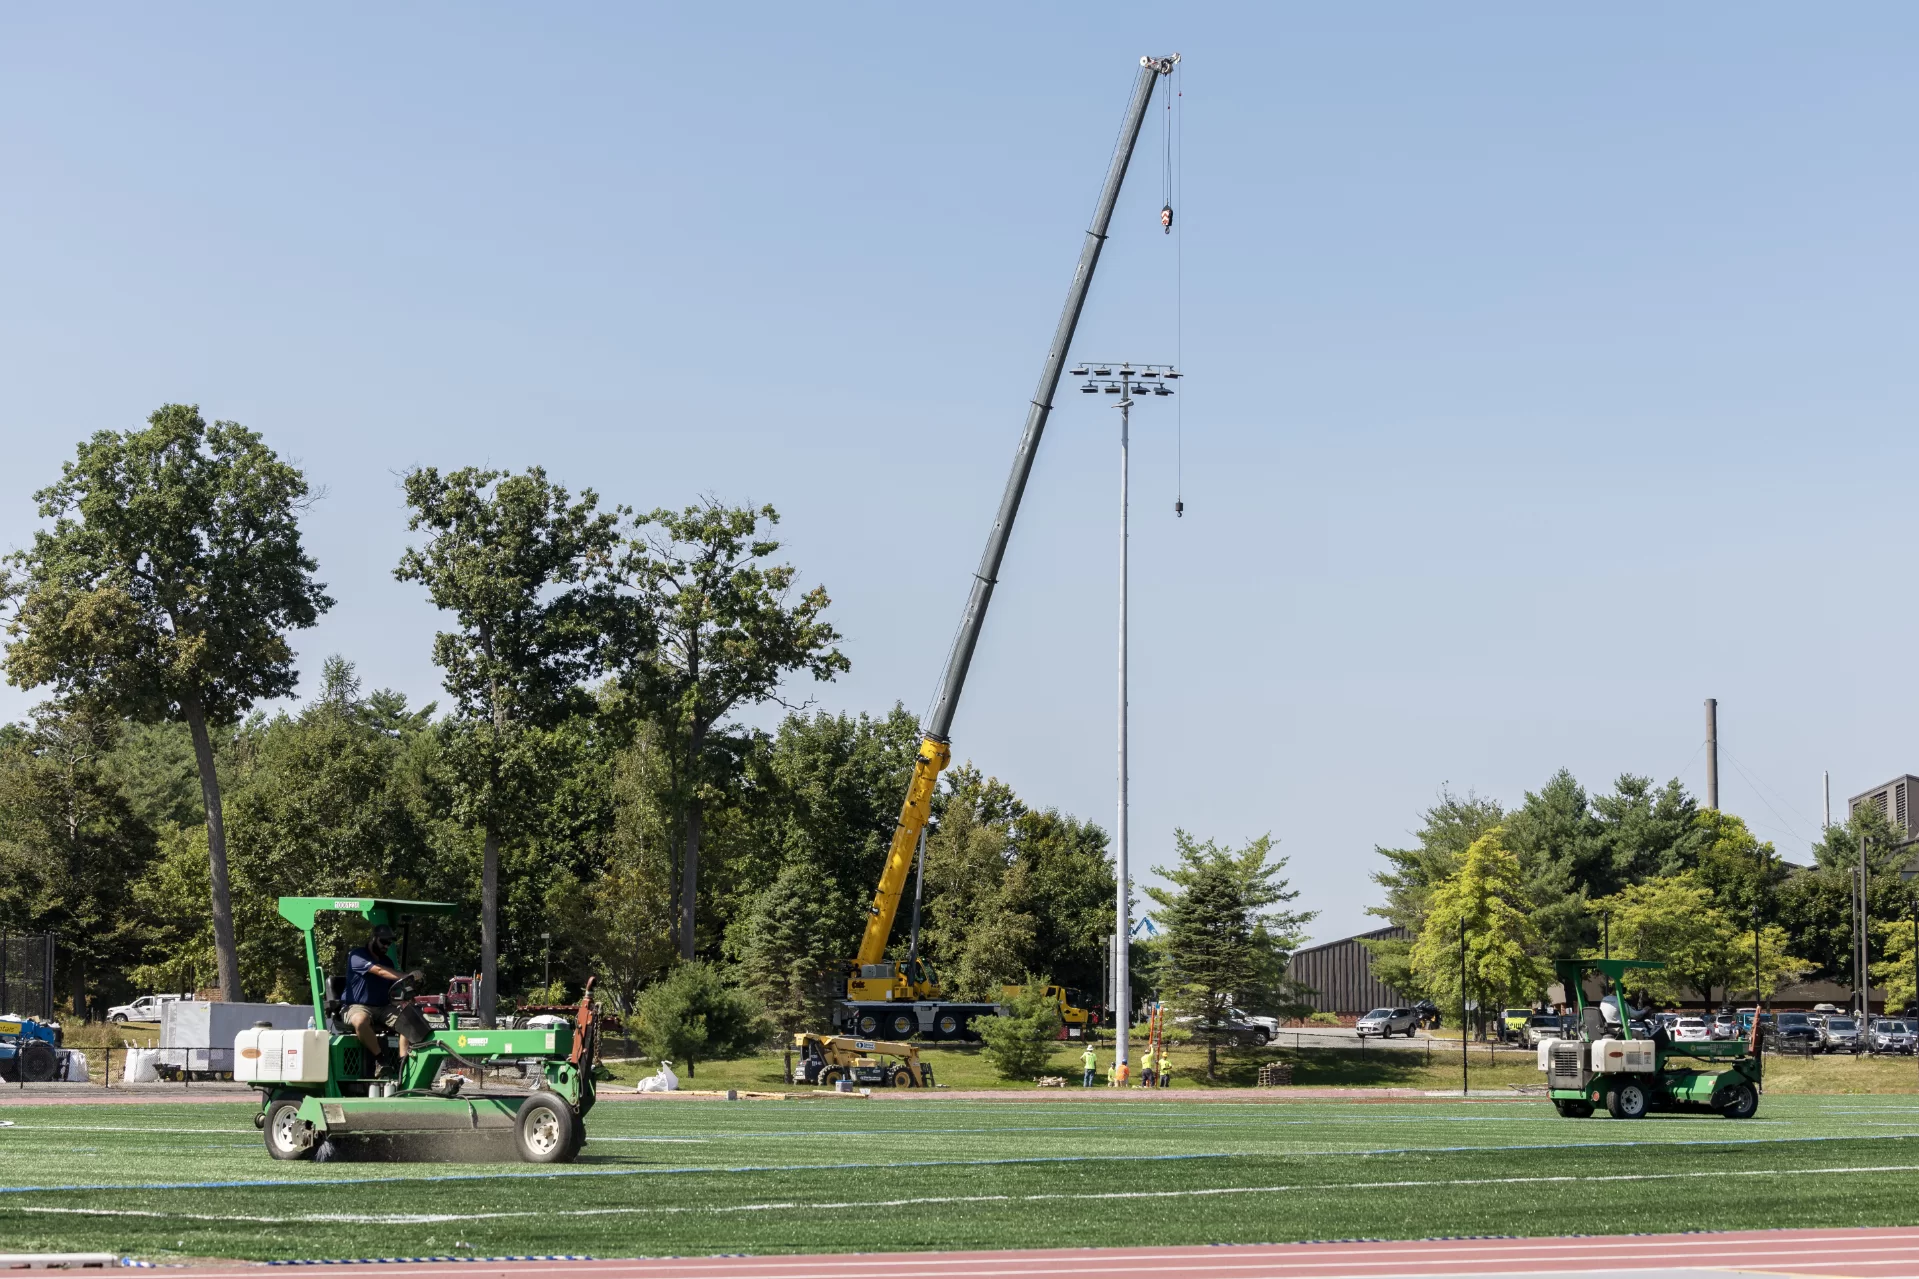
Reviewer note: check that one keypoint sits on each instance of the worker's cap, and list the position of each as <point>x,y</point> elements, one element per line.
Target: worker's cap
<point>383,934</point>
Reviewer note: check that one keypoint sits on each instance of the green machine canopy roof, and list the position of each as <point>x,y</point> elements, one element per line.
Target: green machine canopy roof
<point>301,911</point>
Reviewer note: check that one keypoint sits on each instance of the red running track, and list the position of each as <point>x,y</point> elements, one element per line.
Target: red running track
<point>1889,1253</point>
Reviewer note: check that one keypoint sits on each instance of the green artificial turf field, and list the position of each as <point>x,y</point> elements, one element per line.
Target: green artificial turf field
<point>690,1177</point>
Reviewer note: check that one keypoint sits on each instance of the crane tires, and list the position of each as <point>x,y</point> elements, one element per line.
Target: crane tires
<point>868,1024</point>
<point>545,1130</point>
<point>1741,1102</point>
<point>287,1135</point>
<point>904,1024</point>
<point>948,1025</point>
<point>1574,1109</point>
<point>1628,1100</point>
<point>37,1062</point>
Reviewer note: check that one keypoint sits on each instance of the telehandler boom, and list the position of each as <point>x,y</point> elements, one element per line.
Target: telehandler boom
<point>889,997</point>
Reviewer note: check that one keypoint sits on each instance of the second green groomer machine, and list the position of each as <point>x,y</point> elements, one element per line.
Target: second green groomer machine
<point>1633,1075</point>
<point>318,1085</point>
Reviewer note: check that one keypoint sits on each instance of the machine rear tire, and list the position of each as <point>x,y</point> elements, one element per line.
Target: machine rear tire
<point>286,1136</point>
<point>37,1062</point>
<point>1628,1100</point>
<point>1574,1109</point>
<point>831,1075</point>
<point>903,1078</point>
<point>1742,1102</point>
<point>545,1130</point>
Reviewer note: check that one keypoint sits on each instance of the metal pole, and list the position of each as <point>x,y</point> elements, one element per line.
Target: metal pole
<point>1465,1067</point>
<point>1858,943</point>
<point>1827,775</point>
<point>1607,917</point>
<point>1122,984</point>
<point>1712,753</point>
<point>919,894</point>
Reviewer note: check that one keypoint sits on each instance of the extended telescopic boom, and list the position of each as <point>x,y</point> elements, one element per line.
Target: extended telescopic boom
<point>934,752</point>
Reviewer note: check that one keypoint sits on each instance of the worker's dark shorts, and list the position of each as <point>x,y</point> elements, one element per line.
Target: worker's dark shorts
<point>399,1019</point>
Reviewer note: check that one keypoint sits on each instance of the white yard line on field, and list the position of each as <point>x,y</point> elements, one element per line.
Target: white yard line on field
<point>437,1218</point>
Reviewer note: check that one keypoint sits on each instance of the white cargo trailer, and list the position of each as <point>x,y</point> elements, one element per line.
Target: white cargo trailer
<point>196,1035</point>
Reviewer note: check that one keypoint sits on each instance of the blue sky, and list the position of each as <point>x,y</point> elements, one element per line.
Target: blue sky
<point>1549,371</point>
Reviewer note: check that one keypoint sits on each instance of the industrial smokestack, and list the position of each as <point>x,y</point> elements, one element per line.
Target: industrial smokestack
<point>1712,753</point>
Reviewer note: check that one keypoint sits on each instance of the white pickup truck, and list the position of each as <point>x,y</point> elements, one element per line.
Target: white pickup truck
<point>145,1008</point>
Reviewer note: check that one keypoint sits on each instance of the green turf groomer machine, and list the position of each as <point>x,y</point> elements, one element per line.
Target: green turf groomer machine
<point>317,1085</point>
<point>1631,1076</point>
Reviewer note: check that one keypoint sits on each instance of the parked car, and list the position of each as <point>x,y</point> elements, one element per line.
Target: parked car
<point>1794,1030</point>
<point>145,1008</point>
<point>1840,1034</point>
<point>1890,1035</point>
<point>1543,1026</point>
<point>1387,1022</point>
<point>1231,1030</point>
<point>1725,1026</point>
<point>1690,1030</point>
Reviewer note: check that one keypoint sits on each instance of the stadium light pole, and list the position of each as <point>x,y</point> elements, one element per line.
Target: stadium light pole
<point>1122,379</point>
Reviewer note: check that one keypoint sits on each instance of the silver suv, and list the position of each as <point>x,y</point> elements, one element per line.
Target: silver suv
<point>1387,1022</point>
<point>1839,1034</point>
<point>1890,1035</point>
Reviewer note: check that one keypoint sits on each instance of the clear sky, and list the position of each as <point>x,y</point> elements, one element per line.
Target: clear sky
<point>1550,371</point>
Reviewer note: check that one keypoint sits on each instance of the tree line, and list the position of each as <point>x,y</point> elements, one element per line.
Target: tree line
<point>1642,872</point>
<point>586,790</point>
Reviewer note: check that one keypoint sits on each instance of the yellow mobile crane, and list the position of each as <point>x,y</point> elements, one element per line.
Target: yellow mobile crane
<point>902,998</point>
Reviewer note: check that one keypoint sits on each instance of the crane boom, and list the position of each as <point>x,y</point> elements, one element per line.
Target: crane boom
<point>935,752</point>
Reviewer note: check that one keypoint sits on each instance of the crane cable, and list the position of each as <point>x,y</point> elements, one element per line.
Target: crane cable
<point>1172,174</point>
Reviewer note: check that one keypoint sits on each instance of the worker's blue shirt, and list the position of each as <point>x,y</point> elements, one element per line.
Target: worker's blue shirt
<point>363,985</point>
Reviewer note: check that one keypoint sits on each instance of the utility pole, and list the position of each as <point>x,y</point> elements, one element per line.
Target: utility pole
<point>1861,985</point>
<point>1827,775</point>
<point>1712,753</point>
<point>1148,379</point>
<point>1465,1065</point>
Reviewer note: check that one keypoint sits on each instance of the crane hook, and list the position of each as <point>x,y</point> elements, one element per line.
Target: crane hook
<point>1166,218</point>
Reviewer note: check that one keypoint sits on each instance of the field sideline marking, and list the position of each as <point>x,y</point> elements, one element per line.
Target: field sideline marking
<point>719,1170</point>
<point>427,1219</point>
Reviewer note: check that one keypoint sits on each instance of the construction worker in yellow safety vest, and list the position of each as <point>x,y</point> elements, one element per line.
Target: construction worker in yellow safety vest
<point>1165,1068</point>
<point>1147,1061</point>
<point>1112,1074</point>
<point>1089,1063</point>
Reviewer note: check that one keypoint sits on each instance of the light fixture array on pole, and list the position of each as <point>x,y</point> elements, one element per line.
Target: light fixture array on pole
<point>1125,380</point>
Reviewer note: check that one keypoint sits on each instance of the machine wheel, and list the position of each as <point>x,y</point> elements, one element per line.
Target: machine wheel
<point>287,1136</point>
<point>903,1078</point>
<point>38,1064</point>
<point>1574,1109</point>
<point>118,1019</point>
<point>869,1024</point>
<point>948,1024</point>
<point>831,1075</point>
<point>1628,1101</point>
<point>546,1128</point>
<point>1742,1102</point>
<point>904,1024</point>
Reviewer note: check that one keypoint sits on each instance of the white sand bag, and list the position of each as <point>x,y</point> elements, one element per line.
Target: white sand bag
<point>140,1066</point>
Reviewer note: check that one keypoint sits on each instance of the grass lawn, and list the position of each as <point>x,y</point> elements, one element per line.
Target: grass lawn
<point>964,1067</point>
<point>169,1180</point>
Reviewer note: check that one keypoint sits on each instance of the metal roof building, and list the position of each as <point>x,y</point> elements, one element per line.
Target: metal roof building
<point>1341,975</point>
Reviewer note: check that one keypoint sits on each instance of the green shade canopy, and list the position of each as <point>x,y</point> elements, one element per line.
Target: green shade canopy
<point>301,911</point>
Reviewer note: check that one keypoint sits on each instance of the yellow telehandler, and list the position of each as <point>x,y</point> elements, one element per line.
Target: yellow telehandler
<point>827,1059</point>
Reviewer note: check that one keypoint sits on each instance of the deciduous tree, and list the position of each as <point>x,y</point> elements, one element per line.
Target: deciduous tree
<point>165,589</point>
<point>1485,900</point>
<point>729,635</point>
<point>525,570</point>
